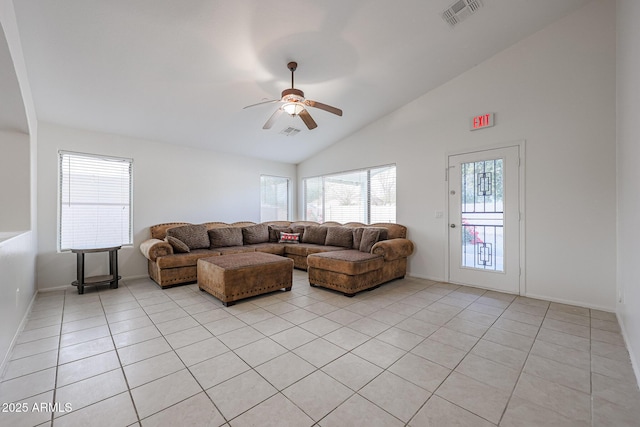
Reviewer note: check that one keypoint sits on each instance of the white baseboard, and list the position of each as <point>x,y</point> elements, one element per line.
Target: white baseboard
<point>420,276</point>
<point>570,302</point>
<point>632,356</point>
<point>6,358</point>
<point>66,287</point>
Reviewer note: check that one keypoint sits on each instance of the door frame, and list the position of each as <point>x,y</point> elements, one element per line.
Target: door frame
<point>521,144</point>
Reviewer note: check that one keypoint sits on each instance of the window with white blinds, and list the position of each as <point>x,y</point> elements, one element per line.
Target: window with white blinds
<point>274,198</point>
<point>365,195</point>
<point>95,201</point>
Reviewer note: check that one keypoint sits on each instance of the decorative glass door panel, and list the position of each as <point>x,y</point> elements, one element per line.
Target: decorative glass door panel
<point>482,215</point>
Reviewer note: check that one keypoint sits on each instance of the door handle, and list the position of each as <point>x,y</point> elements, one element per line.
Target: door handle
<point>452,226</point>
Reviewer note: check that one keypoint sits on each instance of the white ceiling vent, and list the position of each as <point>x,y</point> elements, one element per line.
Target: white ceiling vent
<point>460,10</point>
<point>290,131</point>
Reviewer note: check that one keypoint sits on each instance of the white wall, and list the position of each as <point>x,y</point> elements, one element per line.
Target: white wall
<point>556,90</point>
<point>17,266</point>
<point>17,253</point>
<point>15,174</point>
<point>171,183</point>
<point>628,111</point>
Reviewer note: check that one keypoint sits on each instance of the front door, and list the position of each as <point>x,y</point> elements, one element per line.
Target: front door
<point>484,219</point>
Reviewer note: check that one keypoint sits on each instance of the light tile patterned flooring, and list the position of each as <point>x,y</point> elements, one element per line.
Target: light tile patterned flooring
<point>412,352</point>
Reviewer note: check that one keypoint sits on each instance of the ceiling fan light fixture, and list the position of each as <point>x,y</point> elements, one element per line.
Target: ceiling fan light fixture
<point>293,108</point>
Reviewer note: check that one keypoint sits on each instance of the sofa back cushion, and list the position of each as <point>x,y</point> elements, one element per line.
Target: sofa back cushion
<point>339,236</point>
<point>275,230</point>
<point>314,234</point>
<point>357,237</point>
<point>159,231</point>
<point>194,236</point>
<point>255,234</point>
<point>298,229</point>
<point>224,237</point>
<point>369,238</point>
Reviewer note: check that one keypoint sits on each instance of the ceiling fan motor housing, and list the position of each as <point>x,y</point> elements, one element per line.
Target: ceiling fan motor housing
<point>292,95</point>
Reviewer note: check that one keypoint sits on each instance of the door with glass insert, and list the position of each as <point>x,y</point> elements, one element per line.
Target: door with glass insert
<point>484,219</point>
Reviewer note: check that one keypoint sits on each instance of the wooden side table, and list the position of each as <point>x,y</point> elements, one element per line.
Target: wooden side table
<point>111,279</point>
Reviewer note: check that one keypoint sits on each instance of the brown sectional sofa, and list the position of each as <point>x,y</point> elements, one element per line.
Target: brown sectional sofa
<point>334,254</point>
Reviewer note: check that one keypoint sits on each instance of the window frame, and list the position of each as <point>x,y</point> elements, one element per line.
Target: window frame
<point>60,201</point>
<point>288,193</point>
<point>321,184</point>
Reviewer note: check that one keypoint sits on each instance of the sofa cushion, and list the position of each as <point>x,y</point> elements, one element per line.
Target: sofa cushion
<point>339,236</point>
<point>350,262</point>
<point>274,232</point>
<point>384,233</point>
<point>315,234</point>
<point>369,238</point>
<point>298,229</point>
<point>178,245</point>
<point>184,260</point>
<point>270,248</point>
<point>357,237</point>
<point>194,236</point>
<point>235,249</point>
<point>289,237</point>
<point>255,234</point>
<point>226,236</point>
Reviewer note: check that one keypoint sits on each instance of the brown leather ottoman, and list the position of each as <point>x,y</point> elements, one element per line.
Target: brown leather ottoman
<point>237,276</point>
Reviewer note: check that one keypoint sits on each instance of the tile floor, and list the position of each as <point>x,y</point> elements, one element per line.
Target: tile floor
<point>410,353</point>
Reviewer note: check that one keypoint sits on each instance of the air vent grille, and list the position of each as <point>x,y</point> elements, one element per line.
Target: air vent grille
<point>460,10</point>
<point>290,131</point>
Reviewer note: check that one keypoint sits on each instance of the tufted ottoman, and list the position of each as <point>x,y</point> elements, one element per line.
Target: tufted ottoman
<point>236,276</point>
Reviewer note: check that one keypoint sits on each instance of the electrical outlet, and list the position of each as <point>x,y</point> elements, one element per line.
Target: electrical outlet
<point>438,214</point>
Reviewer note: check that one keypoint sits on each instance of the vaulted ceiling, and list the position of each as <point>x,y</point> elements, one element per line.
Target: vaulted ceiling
<point>181,71</point>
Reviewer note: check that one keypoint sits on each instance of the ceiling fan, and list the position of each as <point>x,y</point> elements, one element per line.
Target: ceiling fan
<point>294,104</point>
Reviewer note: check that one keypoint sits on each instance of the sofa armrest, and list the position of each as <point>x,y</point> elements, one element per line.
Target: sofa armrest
<point>393,249</point>
<point>154,248</point>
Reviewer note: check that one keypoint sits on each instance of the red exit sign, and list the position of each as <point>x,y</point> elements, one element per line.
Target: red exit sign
<point>482,121</point>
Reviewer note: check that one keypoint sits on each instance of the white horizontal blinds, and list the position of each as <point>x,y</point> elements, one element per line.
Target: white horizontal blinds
<point>345,197</point>
<point>274,198</point>
<point>365,195</point>
<point>313,199</point>
<point>95,201</point>
<point>382,194</point>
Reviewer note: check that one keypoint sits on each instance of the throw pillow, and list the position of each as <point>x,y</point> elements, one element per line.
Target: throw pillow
<point>298,229</point>
<point>339,236</point>
<point>314,234</point>
<point>384,232</point>
<point>274,232</point>
<point>369,238</point>
<point>224,237</point>
<point>255,234</point>
<point>289,237</point>
<point>194,236</point>
<point>357,237</point>
<point>178,245</point>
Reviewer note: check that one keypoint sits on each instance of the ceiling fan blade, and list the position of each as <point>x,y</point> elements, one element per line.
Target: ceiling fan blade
<point>308,120</point>
<point>273,119</point>
<point>324,107</point>
<point>260,103</point>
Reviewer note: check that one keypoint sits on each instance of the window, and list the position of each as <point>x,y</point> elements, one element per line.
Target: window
<point>365,195</point>
<point>274,198</point>
<point>95,201</point>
